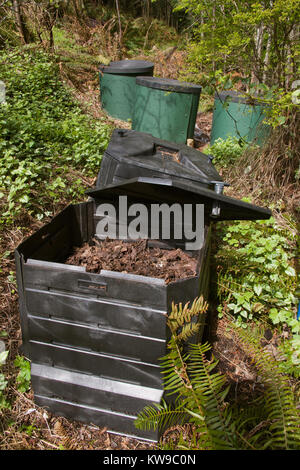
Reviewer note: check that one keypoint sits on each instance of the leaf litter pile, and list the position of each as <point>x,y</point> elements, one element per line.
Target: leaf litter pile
<point>135,258</point>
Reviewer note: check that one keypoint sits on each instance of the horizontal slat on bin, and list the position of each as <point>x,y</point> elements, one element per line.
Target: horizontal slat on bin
<point>97,339</point>
<point>91,390</point>
<point>116,422</point>
<point>144,290</point>
<point>107,313</point>
<point>115,368</point>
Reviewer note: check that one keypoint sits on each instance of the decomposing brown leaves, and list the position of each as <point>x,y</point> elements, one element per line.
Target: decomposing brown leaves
<point>134,257</point>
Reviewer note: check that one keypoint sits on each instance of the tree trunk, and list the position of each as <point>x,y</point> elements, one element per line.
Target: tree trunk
<point>79,9</point>
<point>50,15</point>
<point>266,59</point>
<point>146,7</point>
<point>213,32</point>
<point>21,25</point>
<point>257,72</point>
<point>119,20</point>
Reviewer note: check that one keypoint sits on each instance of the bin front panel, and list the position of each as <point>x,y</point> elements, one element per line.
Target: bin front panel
<point>164,114</point>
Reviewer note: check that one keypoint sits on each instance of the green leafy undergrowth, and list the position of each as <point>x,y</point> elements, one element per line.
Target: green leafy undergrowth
<point>257,280</point>
<point>24,376</point>
<point>46,141</point>
<point>3,382</point>
<point>22,379</point>
<point>226,151</point>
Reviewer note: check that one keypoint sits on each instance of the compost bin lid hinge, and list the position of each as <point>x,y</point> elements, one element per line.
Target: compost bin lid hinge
<point>218,188</point>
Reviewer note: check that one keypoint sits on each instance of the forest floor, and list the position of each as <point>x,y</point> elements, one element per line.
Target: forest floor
<point>32,427</point>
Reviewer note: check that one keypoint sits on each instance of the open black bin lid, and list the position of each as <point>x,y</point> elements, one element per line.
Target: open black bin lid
<point>217,206</point>
<point>128,66</point>
<point>168,84</point>
<point>131,154</point>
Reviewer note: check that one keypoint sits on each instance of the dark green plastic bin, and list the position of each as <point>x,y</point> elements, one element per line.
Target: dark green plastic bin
<point>166,108</point>
<point>117,86</point>
<point>236,116</point>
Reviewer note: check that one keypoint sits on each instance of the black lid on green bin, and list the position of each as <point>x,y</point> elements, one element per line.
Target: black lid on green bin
<point>168,84</point>
<point>128,66</point>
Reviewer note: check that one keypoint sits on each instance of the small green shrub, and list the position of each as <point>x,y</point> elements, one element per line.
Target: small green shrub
<point>226,152</point>
<point>256,274</point>
<point>257,280</point>
<point>23,377</point>
<point>44,135</point>
<point>4,403</point>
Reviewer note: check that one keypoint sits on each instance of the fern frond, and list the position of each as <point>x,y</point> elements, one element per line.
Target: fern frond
<point>187,331</point>
<point>224,284</point>
<point>182,321</point>
<point>283,415</point>
<point>211,389</point>
<point>160,416</point>
<point>280,409</point>
<point>174,368</point>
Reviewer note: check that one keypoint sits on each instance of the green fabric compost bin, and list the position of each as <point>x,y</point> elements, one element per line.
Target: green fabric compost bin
<point>235,115</point>
<point>117,86</point>
<point>166,108</point>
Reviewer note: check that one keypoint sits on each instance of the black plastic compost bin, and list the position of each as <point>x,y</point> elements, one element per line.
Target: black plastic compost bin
<point>131,154</point>
<point>166,108</point>
<point>118,86</point>
<point>94,340</point>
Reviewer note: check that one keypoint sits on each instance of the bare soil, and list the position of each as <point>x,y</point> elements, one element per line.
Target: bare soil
<point>135,258</point>
<point>203,130</point>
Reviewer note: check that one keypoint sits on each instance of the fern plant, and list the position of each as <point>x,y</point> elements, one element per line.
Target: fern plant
<point>197,395</point>
<point>282,418</point>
